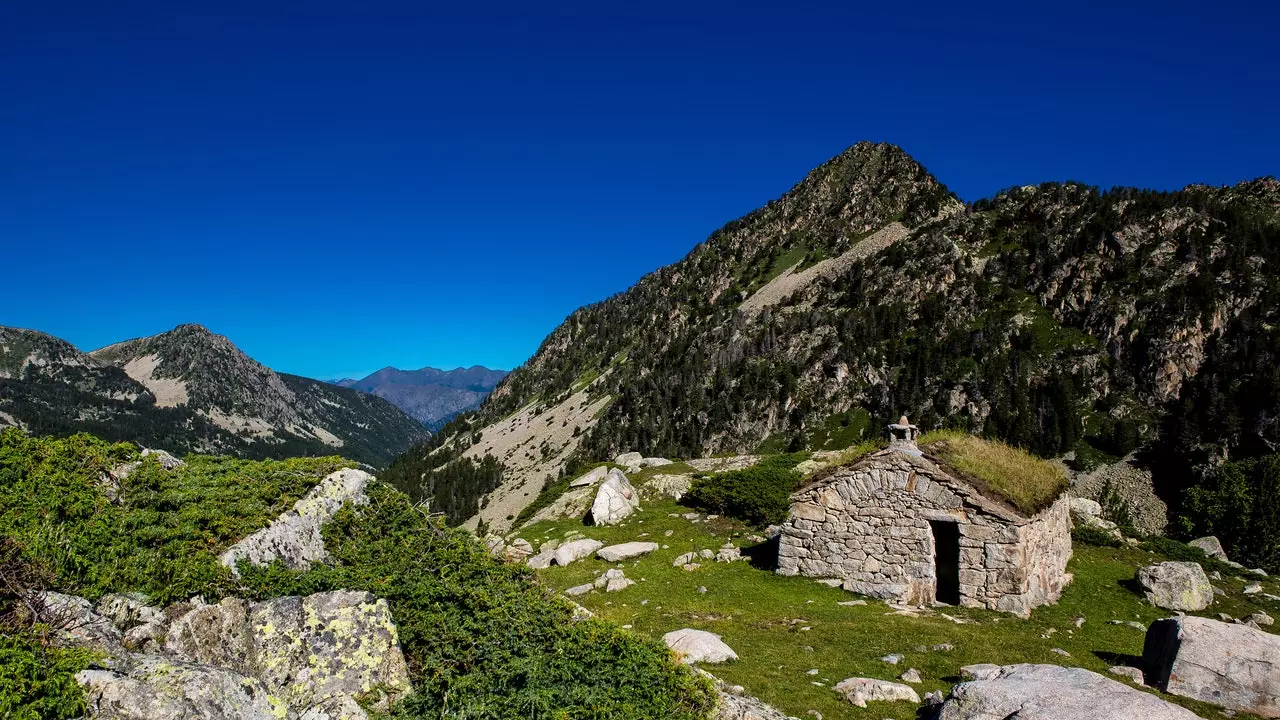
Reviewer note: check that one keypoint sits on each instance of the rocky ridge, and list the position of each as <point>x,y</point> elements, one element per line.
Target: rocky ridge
<point>189,390</point>
<point>1046,316</point>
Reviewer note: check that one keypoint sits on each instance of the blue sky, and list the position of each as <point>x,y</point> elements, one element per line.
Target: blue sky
<point>343,186</point>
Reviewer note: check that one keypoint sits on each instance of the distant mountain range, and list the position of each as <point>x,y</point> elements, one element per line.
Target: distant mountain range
<point>189,390</point>
<point>431,396</point>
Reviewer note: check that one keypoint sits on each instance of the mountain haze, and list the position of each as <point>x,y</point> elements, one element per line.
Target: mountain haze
<point>189,390</point>
<point>1058,317</point>
<point>430,395</point>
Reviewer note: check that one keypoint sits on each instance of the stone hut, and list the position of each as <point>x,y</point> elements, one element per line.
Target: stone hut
<point>901,526</point>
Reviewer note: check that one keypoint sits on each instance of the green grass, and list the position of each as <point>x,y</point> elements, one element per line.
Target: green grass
<point>1024,480</point>
<point>760,615</point>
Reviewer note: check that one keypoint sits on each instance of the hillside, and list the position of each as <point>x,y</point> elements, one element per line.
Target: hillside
<point>796,638</point>
<point>1057,317</point>
<point>431,396</point>
<point>403,614</point>
<point>189,390</point>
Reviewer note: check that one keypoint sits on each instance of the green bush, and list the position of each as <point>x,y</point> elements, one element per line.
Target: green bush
<point>37,682</point>
<point>1239,502</point>
<point>760,494</point>
<point>1090,535</point>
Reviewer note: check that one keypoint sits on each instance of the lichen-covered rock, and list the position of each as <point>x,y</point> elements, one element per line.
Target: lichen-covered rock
<point>1211,546</point>
<point>615,500</point>
<point>129,610</point>
<point>625,551</point>
<point>695,646</point>
<point>860,691</point>
<point>74,621</point>
<point>1234,666</point>
<point>304,649</point>
<point>1050,692</point>
<point>342,707</point>
<point>1176,586</point>
<point>294,538</point>
<point>153,687</point>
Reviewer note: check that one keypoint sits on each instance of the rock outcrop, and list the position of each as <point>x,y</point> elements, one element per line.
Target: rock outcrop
<point>1176,586</point>
<point>698,646</point>
<point>294,538</point>
<point>615,500</point>
<point>1235,666</point>
<point>291,657</point>
<point>1050,692</point>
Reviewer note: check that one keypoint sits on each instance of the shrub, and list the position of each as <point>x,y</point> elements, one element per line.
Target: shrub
<point>760,494</point>
<point>1090,535</point>
<point>1240,503</point>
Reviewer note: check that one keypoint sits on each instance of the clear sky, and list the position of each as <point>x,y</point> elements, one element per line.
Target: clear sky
<point>340,186</point>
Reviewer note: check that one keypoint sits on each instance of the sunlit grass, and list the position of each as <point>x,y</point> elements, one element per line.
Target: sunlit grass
<point>1027,482</point>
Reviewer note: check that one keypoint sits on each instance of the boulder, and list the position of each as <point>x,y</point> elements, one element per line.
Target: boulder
<point>542,560</point>
<point>575,550</point>
<point>860,691</point>
<point>628,459</point>
<point>1176,586</point>
<point>615,500</point>
<point>684,559</point>
<point>625,551</point>
<point>695,646</point>
<point>590,478</point>
<point>518,550</point>
<point>1133,673</point>
<point>1234,666</point>
<point>577,590</point>
<point>153,687</point>
<point>654,462</point>
<point>618,584</point>
<point>1050,692</point>
<point>1084,507</point>
<point>294,538</point>
<point>1211,546</point>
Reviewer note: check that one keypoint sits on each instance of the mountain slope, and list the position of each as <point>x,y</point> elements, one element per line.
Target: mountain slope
<point>431,396</point>
<point>1057,317</point>
<point>190,390</point>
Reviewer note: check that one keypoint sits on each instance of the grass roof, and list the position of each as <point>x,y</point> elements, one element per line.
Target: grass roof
<point>1011,474</point>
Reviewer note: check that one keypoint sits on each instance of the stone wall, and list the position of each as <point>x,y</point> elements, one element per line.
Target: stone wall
<point>869,526</point>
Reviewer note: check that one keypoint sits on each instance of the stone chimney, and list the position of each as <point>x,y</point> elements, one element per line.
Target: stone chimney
<point>902,436</point>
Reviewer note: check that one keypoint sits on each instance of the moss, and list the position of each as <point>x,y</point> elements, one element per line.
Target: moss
<point>1025,481</point>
